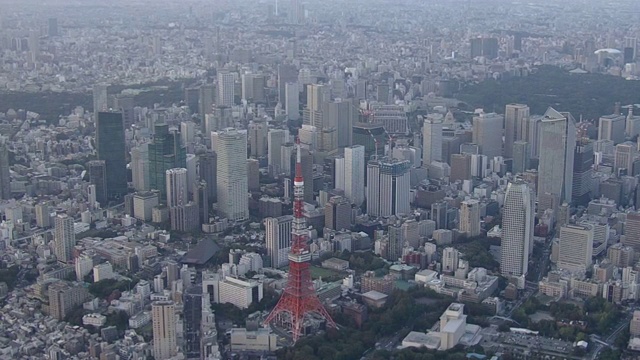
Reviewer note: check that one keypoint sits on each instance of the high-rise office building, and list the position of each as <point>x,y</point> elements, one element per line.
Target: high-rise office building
<point>208,169</point>
<point>201,199</point>
<point>52,27</point>
<point>110,146</point>
<point>388,187</point>
<point>514,116</point>
<point>530,132</point>
<point>278,239</point>
<point>517,230</point>
<point>432,139</point>
<point>100,99</point>
<point>163,315</point>
<point>612,127</point>
<point>521,154</point>
<point>450,260</point>
<point>317,95</point>
<point>258,139</point>
<point>232,181</point>
<point>341,115</point>
<point>226,89</point>
<point>557,144</point>
<point>291,101</point>
<point>354,165</point>
<point>487,133</point>
<point>177,187</point>
<point>632,231</point>
<point>275,139</point>
<point>624,157</point>
<point>486,47</point>
<point>64,297</point>
<point>337,213</point>
<point>5,174</point>
<point>98,177</point>
<point>206,99</point>
<point>64,238</point>
<point>460,167</point>
<point>392,117</point>
<point>253,87</point>
<point>582,172</point>
<point>286,74</point>
<point>43,215</point>
<point>125,105</point>
<point>140,167</point>
<point>576,247</point>
<point>165,152</point>
<point>253,174</point>
<point>470,218</point>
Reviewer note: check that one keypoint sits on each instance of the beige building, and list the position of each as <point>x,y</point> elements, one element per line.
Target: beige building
<point>64,297</point>
<point>576,247</point>
<point>163,314</point>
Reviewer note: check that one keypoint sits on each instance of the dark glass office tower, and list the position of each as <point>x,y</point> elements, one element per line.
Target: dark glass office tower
<point>208,163</point>
<point>582,172</point>
<point>98,177</point>
<point>166,152</point>
<point>111,149</point>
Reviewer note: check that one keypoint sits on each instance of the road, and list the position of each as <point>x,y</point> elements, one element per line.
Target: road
<point>388,343</point>
<point>622,324</point>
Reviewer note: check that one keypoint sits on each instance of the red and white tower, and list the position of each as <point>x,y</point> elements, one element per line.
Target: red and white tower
<point>299,298</point>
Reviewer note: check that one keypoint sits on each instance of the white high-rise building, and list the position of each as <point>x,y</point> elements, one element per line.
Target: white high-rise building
<point>292,101</point>
<point>487,133</point>
<point>226,89</point>
<point>187,132</point>
<point>576,247</point>
<point>450,259</point>
<point>165,344</point>
<point>612,127</point>
<point>278,239</point>
<point>100,99</point>
<point>64,238</point>
<point>232,186</point>
<point>275,139</point>
<point>432,139</point>
<point>177,187</point>
<point>470,218</point>
<point>140,167</point>
<point>258,138</point>
<point>388,187</point>
<point>517,230</point>
<point>354,165</point>
<point>557,145</point>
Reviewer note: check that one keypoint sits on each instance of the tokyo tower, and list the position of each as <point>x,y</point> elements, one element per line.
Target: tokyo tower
<point>299,298</point>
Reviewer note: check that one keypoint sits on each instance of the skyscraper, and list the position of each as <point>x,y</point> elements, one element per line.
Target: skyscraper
<point>487,47</point>
<point>487,133</point>
<point>470,218</point>
<point>5,174</point>
<point>557,143</point>
<point>517,230</point>
<point>275,139</point>
<point>43,215</point>
<point>286,74</point>
<point>98,177</point>
<point>354,165</point>
<point>291,101</point>
<point>208,164</point>
<point>312,115</point>
<point>514,116</point>
<point>140,167</point>
<point>432,139</point>
<point>341,115</point>
<point>177,187</point>
<point>163,315</point>
<point>258,138</point>
<point>632,231</point>
<point>611,127</point>
<point>110,145</point>
<point>226,89</point>
<point>64,238</point>
<point>100,99</point>
<point>521,157</point>
<point>625,155</point>
<point>278,239</point>
<point>388,185</point>
<point>576,247</point>
<point>337,213</point>
<point>206,99</point>
<point>165,152</point>
<point>232,179</point>
<point>253,87</point>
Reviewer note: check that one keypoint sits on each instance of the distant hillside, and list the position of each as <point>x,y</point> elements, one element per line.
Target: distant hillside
<point>589,95</point>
